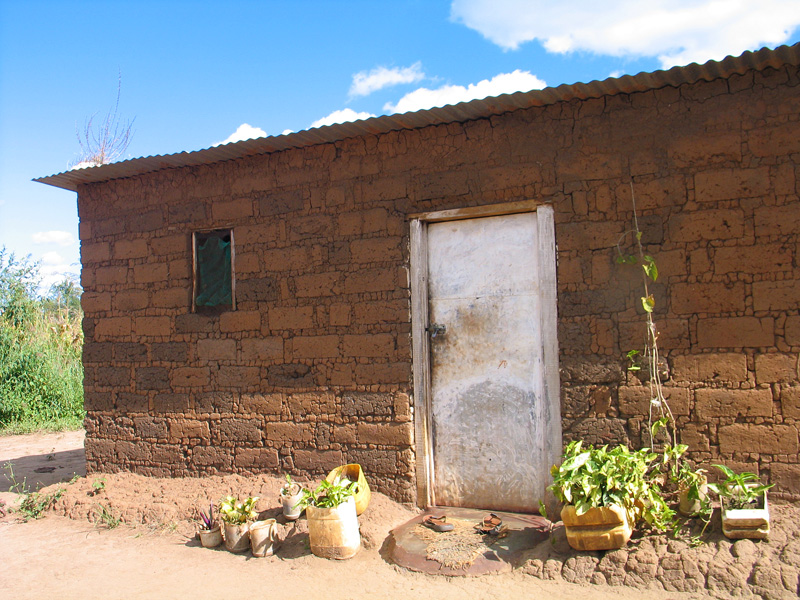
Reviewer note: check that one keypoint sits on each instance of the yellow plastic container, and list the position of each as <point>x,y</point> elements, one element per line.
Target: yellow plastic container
<point>333,532</point>
<point>354,473</point>
<point>604,528</point>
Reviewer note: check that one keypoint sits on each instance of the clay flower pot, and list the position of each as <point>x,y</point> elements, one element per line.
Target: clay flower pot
<point>211,538</point>
<point>237,537</point>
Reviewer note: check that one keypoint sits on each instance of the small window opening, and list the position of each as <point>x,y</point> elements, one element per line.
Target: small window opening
<point>214,284</point>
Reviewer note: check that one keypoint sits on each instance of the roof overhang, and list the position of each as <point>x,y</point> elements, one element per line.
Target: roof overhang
<point>465,111</point>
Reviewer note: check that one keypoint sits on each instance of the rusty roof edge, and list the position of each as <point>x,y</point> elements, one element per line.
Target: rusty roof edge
<point>475,109</point>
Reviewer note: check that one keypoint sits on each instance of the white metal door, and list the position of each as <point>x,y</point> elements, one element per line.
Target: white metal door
<point>491,419</point>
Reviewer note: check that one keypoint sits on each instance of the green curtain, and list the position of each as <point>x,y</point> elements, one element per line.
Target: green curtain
<point>214,272</point>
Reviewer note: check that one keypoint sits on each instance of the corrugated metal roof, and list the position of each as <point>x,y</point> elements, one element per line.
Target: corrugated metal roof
<point>464,111</point>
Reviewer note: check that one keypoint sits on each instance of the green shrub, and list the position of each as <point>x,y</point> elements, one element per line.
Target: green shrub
<point>41,375</point>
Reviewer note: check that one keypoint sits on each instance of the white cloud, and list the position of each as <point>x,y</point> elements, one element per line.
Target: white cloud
<point>287,131</point>
<point>57,272</point>
<point>52,258</point>
<point>341,116</point>
<point>504,83</point>
<point>676,31</point>
<point>243,132</point>
<point>62,238</point>
<point>365,83</point>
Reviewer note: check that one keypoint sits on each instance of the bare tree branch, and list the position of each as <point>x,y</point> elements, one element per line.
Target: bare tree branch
<point>105,142</point>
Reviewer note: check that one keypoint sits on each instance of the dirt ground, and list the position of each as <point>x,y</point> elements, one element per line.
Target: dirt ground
<point>153,553</point>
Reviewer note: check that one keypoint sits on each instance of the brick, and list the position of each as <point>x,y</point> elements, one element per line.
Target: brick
<point>293,258</point>
<point>234,377</point>
<point>247,262</point>
<point>364,222</point>
<point>698,149</point>
<point>172,244</point>
<point>733,403</point>
<point>635,400</point>
<point>125,249</point>
<point>152,326</point>
<point>291,318</point>
<point>94,302</point>
<point>150,427</point>
<point>777,295</point>
<point>187,213</point>
<point>792,330</point>
<point>239,430</point>
<point>706,225</point>
<point>385,434</point>
<point>790,402</point>
<point>588,235</point>
<point>232,210</point>
<point>111,275</point>
<point>171,403</point>
<point>215,402</point>
<point>776,368</point>
<point>209,456</point>
<point>97,352</point>
<point>280,204</point>
<point>314,227</point>
<point>113,327</point>
<point>96,252</point>
<point>369,313</point>
<point>240,320</point>
<point>736,332</point>
<point>150,273</point>
<point>318,461</point>
<point>174,297</point>
<point>385,373</point>
<point>98,401</point>
<point>290,432</point>
<point>188,428</point>
<point>691,298</point>
<point>370,280</point>
<point>731,184</point>
<point>314,286</point>
<point>376,250</point>
<point>339,315</point>
<point>190,376</point>
<point>710,367</point>
<point>262,404</point>
<point>152,378</point>
<point>760,439</point>
<point>195,323</point>
<point>262,348</point>
<point>319,346</point>
<point>785,477</point>
<point>129,351</point>
<point>369,345</point>
<point>257,459</point>
<point>777,220</point>
<point>170,351</point>
<point>763,258</point>
<point>772,141</point>
<point>144,221</point>
<point>216,349</point>
<point>130,300</point>
<point>132,403</point>
<point>672,334</point>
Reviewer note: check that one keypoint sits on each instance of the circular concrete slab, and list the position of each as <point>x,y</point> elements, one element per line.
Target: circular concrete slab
<point>464,551</point>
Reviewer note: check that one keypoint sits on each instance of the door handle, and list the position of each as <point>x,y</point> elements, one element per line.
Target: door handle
<point>435,329</point>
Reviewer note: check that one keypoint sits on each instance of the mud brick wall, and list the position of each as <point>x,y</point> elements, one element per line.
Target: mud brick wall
<point>314,368</point>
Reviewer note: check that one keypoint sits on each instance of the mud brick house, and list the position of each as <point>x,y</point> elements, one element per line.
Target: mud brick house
<point>435,294</point>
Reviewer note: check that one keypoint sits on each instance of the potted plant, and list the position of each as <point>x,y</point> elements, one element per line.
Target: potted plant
<point>745,512</point>
<point>605,492</point>
<point>332,520</point>
<point>210,534</point>
<point>237,517</point>
<point>354,473</point>
<point>693,498</point>
<point>291,495</point>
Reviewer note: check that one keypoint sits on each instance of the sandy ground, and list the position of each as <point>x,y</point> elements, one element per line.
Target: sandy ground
<point>75,558</point>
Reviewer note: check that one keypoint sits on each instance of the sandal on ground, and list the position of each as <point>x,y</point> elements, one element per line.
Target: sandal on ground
<point>491,525</point>
<point>439,524</point>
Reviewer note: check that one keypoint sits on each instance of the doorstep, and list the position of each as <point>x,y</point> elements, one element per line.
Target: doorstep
<point>409,543</point>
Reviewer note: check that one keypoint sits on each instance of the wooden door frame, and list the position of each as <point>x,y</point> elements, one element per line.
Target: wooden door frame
<point>420,345</point>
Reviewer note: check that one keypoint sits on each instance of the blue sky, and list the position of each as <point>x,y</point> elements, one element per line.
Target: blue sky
<point>193,73</point>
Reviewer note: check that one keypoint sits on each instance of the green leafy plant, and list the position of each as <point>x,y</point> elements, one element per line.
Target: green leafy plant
<point>34,505</point>
<point>106,516</point>
<point>590,477</point>
<point>329,495</point>
<point>290,488</point>
<point>236,512</point>
<point>739,490</point>
<point>98,485</point>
